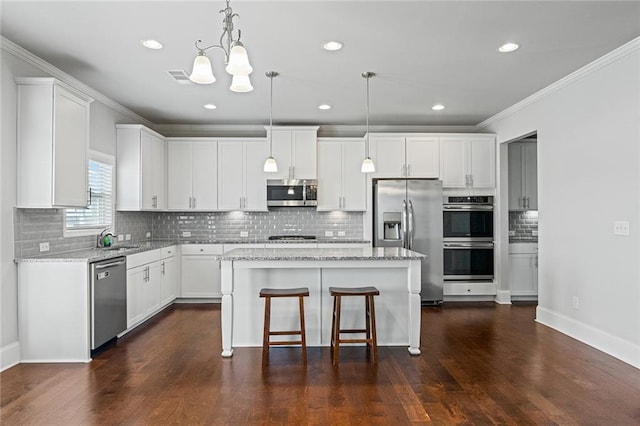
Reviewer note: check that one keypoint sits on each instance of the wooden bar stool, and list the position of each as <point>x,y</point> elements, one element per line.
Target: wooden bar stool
<point>370,320</point>
<point>268,293</point>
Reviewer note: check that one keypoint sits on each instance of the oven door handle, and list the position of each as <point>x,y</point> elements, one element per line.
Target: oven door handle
<point>464,207</point>
<point>468,245</point>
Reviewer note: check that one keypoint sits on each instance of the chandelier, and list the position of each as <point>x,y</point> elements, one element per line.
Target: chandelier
<point>235,57</point>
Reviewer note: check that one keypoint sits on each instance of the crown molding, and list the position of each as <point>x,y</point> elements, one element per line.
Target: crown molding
<point>21,53</point>
<point>603,61</point>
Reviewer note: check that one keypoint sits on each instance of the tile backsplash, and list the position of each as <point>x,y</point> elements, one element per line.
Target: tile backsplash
<point>34,226</point>
<point>523,225</point>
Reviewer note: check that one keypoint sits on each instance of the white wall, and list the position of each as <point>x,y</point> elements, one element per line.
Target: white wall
<point>102,138</point>
<point>588,177</point>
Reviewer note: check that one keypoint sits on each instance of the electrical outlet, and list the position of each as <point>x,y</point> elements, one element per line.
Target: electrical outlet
<point>512,233</point>
<point>534,233</point>
<point>121,237</point>
<point>328,233</point>
<point>576,303</point>
<point>44,247</point>
<point>186,233</point>
<point>127,237</point>
<point>341,233</point>
<point>148,234</point>
<point>244,234</point>
<point>621,227</point>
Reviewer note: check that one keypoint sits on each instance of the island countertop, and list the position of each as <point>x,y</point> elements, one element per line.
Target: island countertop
<point>359,253</point>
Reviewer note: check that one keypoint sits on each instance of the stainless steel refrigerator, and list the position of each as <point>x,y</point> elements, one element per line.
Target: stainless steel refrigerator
<point>408,213</point>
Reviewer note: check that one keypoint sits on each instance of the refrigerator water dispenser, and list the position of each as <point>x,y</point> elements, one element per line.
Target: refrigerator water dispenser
<point>391,222</point>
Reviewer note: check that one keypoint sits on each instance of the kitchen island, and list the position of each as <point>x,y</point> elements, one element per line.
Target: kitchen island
<point>394,271</point>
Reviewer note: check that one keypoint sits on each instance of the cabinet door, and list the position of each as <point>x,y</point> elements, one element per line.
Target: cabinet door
<point>423,157</point>
<point>136,280</point>
<point>530,174</point>
<point>282,153</point>
<point>515,176</point>
<point>179,175</point>
<point>330,176</point>
<point>200,276</point>
<point>151,289</point>
<point>71,143</point>
<point>204,157</point>
<point>482,162</point>
<point>255,179</point>
<point>230,175</point>
<point>523,274</point>
<point>354,182</point>
<point>169,280</point>
<point>152,170</point>
<point>388,154</point>
<point>303,147</point>
<point>454,162</point>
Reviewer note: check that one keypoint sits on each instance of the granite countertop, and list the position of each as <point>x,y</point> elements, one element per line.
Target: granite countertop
<point>368,253</point>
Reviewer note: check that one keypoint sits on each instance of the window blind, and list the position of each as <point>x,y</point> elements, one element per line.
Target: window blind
<point>99,214</point>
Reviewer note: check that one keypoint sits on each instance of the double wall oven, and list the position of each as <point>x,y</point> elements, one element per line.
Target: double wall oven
<point>468,238</point>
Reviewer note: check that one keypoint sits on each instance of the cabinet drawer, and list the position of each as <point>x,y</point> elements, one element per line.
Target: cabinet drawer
<point>469,289</point>
<point>170,251</point>
<point>524,248</point>
<point>138,259</point>
<point>203,249</point>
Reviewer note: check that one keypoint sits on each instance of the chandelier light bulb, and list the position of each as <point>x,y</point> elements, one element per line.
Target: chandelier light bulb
<point>202,72</point>
<point>238,61</point>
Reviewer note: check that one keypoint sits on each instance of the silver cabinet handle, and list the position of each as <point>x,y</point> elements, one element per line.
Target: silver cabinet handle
<point>408,170</point>
<point>194,202</point>
<point>154,201</point>
<point>89,200</point>
<point>163,271</point>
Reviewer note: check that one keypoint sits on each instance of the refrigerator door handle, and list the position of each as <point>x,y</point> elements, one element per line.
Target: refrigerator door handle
<point>403,225</point>
<point>411,227</point>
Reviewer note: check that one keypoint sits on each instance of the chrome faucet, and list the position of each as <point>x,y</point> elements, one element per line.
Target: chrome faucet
<point>103,241</point>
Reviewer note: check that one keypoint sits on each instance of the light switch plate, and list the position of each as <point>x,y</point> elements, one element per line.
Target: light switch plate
<point>244,234</point>
<point>44,247</point>
<point>621,227</point>
<point>148,234</point>
<point>186,233</point>
<point>341,233</point>
<point>328,233</point>
<point>127,237</point>
<point>512,233</point>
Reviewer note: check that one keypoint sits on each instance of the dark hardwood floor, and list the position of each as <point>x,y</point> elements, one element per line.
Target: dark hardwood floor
<point>481,364</point>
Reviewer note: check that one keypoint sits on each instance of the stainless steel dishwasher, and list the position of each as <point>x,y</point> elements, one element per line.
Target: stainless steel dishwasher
<point>108,300</point>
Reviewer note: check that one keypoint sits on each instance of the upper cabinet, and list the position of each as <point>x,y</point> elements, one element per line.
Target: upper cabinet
<point>53,143</point>
<point>407,156</point>
<point>341,185</point>
<point>140,171</point>
<point>468,161</point>
<point>523,176</point>
<point>242,182</point>
<point>192,181</point>
<point>294,149</point>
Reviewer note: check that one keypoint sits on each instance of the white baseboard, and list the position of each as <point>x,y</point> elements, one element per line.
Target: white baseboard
<point>503,297</point>
<point>616,347</point>
<point>9,355</point>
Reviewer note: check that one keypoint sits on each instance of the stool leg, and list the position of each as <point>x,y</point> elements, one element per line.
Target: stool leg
<point>303,336</point>
<point>336,334</point>
<point>367,321</point>
<point>374,342</point>
<point>333,327</point>
<point>265,332</point>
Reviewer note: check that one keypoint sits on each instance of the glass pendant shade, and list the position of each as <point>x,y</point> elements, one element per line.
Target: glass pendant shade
<point>238,61</point>
<point>270,165</point>
<point>241,84</point>
<point>367,166</point>
<point>202,72</point>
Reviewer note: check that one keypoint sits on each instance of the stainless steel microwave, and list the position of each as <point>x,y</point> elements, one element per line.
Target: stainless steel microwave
<point>292,192</point>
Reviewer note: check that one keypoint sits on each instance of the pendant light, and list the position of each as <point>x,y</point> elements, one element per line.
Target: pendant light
<point>367,164</point>
<point>270,165</point>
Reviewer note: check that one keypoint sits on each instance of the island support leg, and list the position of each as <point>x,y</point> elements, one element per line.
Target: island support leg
<point>226,314</point>
<point>415,317</point>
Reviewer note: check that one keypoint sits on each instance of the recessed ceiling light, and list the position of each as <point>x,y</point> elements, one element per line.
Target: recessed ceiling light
<point>508,47</point>
<point>437,107</point>
<point>332,45</point>
<point>324,106</point>
<point>152,44</point>
<point>210,106</point>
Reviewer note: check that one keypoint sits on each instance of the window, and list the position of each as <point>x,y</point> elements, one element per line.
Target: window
<point>99,214</point>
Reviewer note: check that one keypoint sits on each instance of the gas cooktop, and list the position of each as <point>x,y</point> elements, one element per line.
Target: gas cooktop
<point>292,237</point>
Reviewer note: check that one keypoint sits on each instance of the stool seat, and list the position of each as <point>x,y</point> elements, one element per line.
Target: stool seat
<point>355,291</point>
<point>284,292</point>
<point>269,293</point>
<point>369,331</point>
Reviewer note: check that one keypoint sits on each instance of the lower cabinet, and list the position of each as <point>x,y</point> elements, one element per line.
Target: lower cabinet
<point>523,271</point>
<point>201,271</point>
<point>169,275</point>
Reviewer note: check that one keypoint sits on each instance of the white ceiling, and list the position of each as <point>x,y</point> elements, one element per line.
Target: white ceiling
<point>423,52</point>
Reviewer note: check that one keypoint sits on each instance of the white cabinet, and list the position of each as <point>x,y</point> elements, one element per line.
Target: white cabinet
<point>53,143</point>
<point>523,271</point>
<point>294,149</point>
<point>523,176</point>
<point>201,270</point>
<point>407,156</point>
<point>140,168</point>
<point>169,275</point>
<point>241,179</point>
<point>192,180</point>
<point>341,185</point>
<point>468,161</point>
<point>145,275</point>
